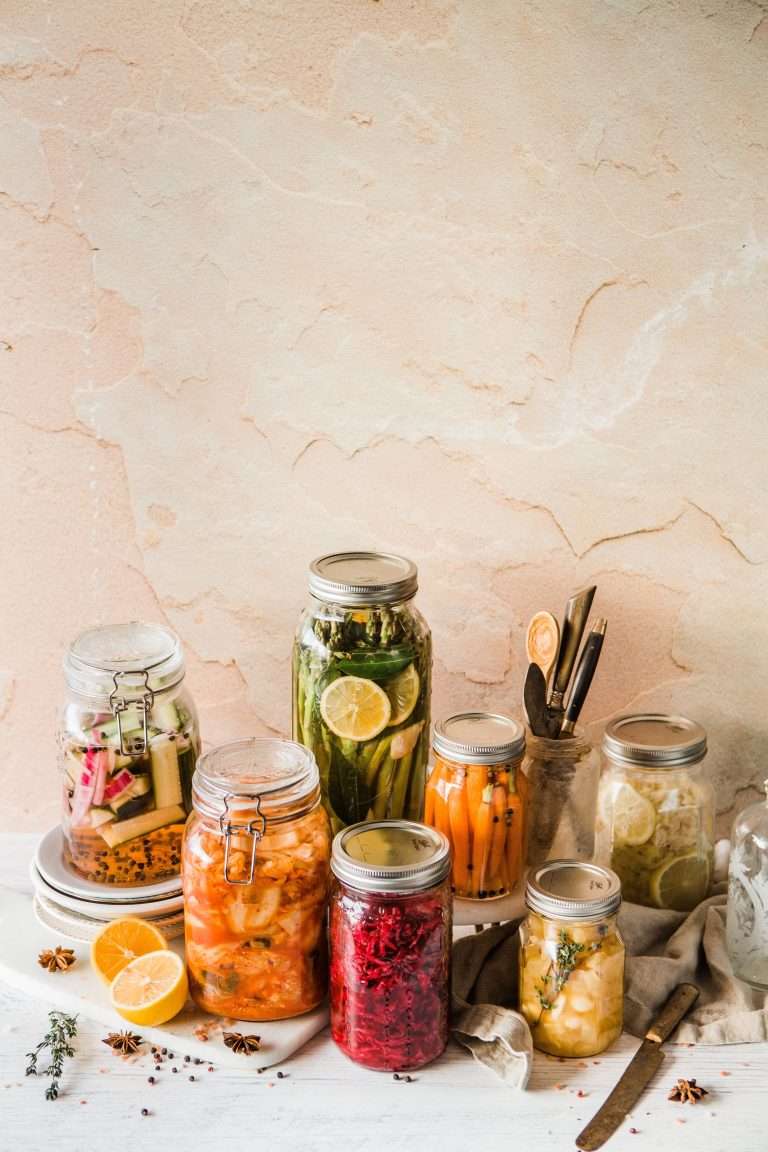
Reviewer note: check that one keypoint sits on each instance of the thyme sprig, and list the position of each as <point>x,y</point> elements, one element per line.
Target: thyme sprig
<point>568,956</point>
<point>61,1030</point>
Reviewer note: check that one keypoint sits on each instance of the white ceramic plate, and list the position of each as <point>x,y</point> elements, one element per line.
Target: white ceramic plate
<point>98,909</point>
<point>75,926</point>
<point>50,863</point>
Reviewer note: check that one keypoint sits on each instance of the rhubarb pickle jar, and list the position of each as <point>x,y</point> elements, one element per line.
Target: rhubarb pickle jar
<point>572,958</point>
<point>255,878</point>
<point>362,662</point>
<point>476,797</point>
<point>128,741</point>
<point>390,928</point>
<point>656,810</point>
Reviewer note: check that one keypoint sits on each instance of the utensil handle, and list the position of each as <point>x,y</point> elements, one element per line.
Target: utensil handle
<point>574,623</point>
<point>680,1002</point>
<point>582,680</point>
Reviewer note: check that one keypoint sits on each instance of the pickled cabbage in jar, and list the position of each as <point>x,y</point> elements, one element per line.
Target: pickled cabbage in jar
<point>572,985</point>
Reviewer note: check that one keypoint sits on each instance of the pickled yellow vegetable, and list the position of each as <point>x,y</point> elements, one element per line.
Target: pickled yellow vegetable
<point>572,985</point>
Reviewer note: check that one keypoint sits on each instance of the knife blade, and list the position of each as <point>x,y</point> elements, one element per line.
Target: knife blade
<point>639,1072</point>
<point>574,623</point>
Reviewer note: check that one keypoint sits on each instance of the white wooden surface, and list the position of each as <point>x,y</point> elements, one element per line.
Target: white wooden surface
<point>326,1104</point>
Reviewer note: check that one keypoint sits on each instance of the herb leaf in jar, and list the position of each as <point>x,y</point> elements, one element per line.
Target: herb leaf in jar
<point>568,956</point>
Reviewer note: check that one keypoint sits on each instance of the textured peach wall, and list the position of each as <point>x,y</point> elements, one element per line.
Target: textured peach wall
<point>479,281</point>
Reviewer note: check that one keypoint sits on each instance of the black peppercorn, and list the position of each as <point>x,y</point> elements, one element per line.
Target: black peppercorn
<point>150,1080</point>
<point>192,1078</point>
<point>145,1111</point>
<point>174,1069</point>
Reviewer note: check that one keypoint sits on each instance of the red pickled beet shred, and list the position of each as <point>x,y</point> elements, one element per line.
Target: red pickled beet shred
<point>389,986</point>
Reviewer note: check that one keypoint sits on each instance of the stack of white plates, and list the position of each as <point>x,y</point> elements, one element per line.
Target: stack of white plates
<point>80,908</point>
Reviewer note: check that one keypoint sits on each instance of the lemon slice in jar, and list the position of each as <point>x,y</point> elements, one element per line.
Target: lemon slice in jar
<point>681,883</point>
<point>151,990</point>
<point>403,692</point>
<point>634,817</point>
<point>355,709</point>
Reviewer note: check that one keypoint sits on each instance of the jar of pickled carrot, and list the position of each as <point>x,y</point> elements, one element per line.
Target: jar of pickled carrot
<point>476,796</point>
<point>572,958</point>
<point>255,869</point>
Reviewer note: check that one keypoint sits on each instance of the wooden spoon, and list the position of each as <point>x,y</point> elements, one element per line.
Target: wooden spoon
<point>542,642</point>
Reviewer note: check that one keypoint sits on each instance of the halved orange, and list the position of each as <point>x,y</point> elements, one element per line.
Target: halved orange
<point>122,941</point>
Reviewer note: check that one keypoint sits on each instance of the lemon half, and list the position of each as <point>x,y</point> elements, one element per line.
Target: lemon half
<point>355,709</point>
<point>151,990</point>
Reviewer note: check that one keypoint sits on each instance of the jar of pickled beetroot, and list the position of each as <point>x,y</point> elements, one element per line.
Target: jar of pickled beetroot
<point>255,878</point>
<point>475,796</point>
<point>128,742</point>
<point>572,958</point>
<point>390,929</point>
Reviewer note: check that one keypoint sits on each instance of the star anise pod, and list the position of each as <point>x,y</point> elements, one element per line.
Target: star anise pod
<point>56,959</point>
<point>687,1091</point>
<point>242,1044</point>
<point>126,1043</point>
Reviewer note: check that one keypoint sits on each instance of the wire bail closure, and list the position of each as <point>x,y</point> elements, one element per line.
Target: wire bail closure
<point>250,828</point>
<point>144,704</point>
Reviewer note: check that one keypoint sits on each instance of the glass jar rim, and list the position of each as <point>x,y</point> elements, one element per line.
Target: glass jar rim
<point>654,740</point>
<point>573,890</point>
<point>479,738</point>
<point>363,579</point>
<point>277,779</point>
<point>575,744</point>
<point>128,659</point>
<point>391,857</point>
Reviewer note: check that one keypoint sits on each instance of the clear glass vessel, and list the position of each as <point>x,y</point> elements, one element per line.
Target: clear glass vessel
<point>572,959</point>
<point>476,797</point>
<point>255,874</point>
<point>128,741</point>
<point>562,779</point>
<point>747,917</point>
<point>362,662</point>
<point>390,930</point>
<point>656,810</point>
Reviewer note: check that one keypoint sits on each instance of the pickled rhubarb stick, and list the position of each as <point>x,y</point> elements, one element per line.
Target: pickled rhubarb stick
<point>481,848</point>
<point>499,804</point>
<point>459,823</point>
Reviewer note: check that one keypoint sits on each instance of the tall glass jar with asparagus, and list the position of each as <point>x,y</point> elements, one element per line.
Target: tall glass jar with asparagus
<point>361,686</point>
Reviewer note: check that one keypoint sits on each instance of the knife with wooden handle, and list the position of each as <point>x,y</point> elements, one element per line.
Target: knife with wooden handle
<point>574,623</point>
<point>640,1070</point>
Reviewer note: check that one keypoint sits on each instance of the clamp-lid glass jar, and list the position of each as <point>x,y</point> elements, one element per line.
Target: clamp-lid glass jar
<point>747,917</point>
<point>362,662</point>
<point>572,958</point>
<point>656,810</point>
<point>128,742</point>
<point>255,878</point>
<point>476,797</point>
<point>390,928</point>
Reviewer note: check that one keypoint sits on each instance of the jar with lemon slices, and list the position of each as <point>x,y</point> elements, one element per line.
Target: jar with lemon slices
<point>655,823</point>
<point>362,662</point>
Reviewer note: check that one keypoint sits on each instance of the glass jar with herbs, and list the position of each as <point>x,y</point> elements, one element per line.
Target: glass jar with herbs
<point>655,824</point>
<point>476,797</point>
<point>128,741</point>
<point>362,662</point>
<point>255,878</point>
<point>572,959</point>
<point>390,943</point>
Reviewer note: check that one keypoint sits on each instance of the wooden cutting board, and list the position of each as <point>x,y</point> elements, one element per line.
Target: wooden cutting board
<point>81,990</point>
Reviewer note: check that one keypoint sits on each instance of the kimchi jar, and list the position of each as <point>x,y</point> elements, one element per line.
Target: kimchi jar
<point>475,796</point>
<point>255,880</point>
<point>390,928</point>
<point>572,958</point>
<point>128,742</point>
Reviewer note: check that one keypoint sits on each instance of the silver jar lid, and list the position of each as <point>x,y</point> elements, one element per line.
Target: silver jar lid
<point>358,579</point>
<point>278,778</point>
<point>395,856</point>
<point>573,890</point>
<point>479,738</point>
<point>655,740</point>
<point>128,658</point>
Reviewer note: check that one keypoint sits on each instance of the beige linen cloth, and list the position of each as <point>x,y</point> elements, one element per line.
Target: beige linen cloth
<point>663,949</point>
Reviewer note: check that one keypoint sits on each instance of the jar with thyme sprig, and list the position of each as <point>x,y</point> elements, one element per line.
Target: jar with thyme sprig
<point>572,959</point>
<point>362,663</point>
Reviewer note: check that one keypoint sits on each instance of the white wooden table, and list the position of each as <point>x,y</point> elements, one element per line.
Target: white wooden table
<point>326,1104</point>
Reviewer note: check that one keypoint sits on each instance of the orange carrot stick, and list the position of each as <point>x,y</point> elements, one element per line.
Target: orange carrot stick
<point>481,845</point>
<point>499,805</point>
<point>459,823</point>
<point>440,818</point>
<point>476,780</point>
<point>429,793</point>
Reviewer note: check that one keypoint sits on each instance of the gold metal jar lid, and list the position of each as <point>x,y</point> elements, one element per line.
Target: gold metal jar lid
<point>573,890</point>
<point>362,579</point>
<point>655,740</point>
<point>479,738</point>
<point>394,856</point>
